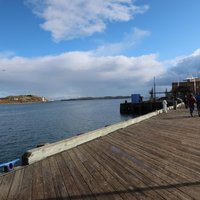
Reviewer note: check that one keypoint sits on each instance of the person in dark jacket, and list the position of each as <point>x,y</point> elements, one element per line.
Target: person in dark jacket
<point>191,103</point>
<point>198,103</point>
<point>185,100</point>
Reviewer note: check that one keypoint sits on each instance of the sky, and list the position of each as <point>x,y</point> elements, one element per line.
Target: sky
<point>69,49</point>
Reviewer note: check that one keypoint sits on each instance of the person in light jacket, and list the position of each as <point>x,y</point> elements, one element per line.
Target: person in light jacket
<point>164,106</point>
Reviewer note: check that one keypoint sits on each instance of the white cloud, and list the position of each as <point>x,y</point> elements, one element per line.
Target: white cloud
<point>181,67</point>
<point>67,19</point>
<point>129,41</point>
<point>76,74</point>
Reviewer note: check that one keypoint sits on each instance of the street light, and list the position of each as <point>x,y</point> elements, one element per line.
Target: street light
<point>195,89</point>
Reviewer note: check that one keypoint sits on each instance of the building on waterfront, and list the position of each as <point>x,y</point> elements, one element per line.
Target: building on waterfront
<point>189,85</point>
<point>44,99</point>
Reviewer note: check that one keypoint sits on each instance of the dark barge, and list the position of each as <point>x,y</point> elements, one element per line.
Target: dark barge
<point>144,107</point>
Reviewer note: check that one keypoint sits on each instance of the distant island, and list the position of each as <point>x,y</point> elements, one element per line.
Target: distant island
<point>36,99</point>
<point>22,99</point>
<point>96,98</point>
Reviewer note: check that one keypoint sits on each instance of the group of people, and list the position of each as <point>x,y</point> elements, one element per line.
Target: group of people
<point>190,102</point>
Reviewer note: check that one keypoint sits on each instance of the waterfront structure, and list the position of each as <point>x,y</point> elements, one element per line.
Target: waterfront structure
<point>44,99</point>
<point>189,85</point>
<point>142,108</point>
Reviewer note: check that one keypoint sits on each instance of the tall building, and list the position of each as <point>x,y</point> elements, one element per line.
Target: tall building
<point>189,85</point>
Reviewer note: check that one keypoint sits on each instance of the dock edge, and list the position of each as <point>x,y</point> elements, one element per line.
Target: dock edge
<point>37,154</point>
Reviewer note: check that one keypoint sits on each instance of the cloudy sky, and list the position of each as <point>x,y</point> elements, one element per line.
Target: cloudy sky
<point>65,48</point>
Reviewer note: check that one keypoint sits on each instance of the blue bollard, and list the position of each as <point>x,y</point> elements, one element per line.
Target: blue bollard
<point>9,166</point>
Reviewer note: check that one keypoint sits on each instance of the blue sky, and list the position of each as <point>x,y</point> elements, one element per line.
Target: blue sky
<point>64,49</point>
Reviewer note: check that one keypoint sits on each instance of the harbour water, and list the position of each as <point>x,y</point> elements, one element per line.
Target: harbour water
<point>24,126</point>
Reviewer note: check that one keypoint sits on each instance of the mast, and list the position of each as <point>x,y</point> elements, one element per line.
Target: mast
<point>154,88</point>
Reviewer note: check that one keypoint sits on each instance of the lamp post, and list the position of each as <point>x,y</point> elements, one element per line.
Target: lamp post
<point>195,88</point>
<point>154,89</point>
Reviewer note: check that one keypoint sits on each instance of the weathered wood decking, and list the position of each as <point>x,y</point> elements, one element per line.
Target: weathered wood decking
<point>158,158</point>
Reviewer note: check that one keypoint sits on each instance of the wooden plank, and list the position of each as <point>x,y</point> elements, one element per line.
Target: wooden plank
<point>16,185</point>
<point>156,149</point>
<point>144,171</point>
<point>138,150</point>
<point>58,179</point>
<point>49,191</point>
<point>170,163</point>
<point>157,154</point>
<point>120,174</point>
<point>141,161</point>
<point>26,185</point>
<point>131,178</point>
<point>83,189</point>
<point>166,142</point>
<point>69,182</point>
<point>1,179</point>
<point>176,129</point>
<point>106,172</point>
<point>5,185</point>
<point>92,183</point>
<point>73,191</point>
<point>150,143</point>
<point>150,168</point>
<point>38,187</point>
<point>101,180</point>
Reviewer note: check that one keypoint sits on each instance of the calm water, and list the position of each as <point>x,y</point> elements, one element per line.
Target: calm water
<point>24,126</point>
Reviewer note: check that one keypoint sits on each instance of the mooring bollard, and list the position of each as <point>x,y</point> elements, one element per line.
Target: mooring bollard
<point>175,105</point>
<point>9,166</point>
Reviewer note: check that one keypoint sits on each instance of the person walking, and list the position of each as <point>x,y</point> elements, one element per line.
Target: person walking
<point>198,103</point>
<point>191,103</point>
<point>185,100</point>
<point>164,106</point>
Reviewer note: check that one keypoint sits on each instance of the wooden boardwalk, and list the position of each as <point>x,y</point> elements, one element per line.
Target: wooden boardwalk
<point>158,158</point>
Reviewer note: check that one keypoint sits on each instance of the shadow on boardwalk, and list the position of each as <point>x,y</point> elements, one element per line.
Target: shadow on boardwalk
<point>134,190</point>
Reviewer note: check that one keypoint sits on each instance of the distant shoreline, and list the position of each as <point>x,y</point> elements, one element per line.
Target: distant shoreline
<point>28,99</point>
<point>96,98</point>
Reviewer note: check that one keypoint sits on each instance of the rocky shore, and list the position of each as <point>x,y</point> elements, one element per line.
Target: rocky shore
<point>22,99</point>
